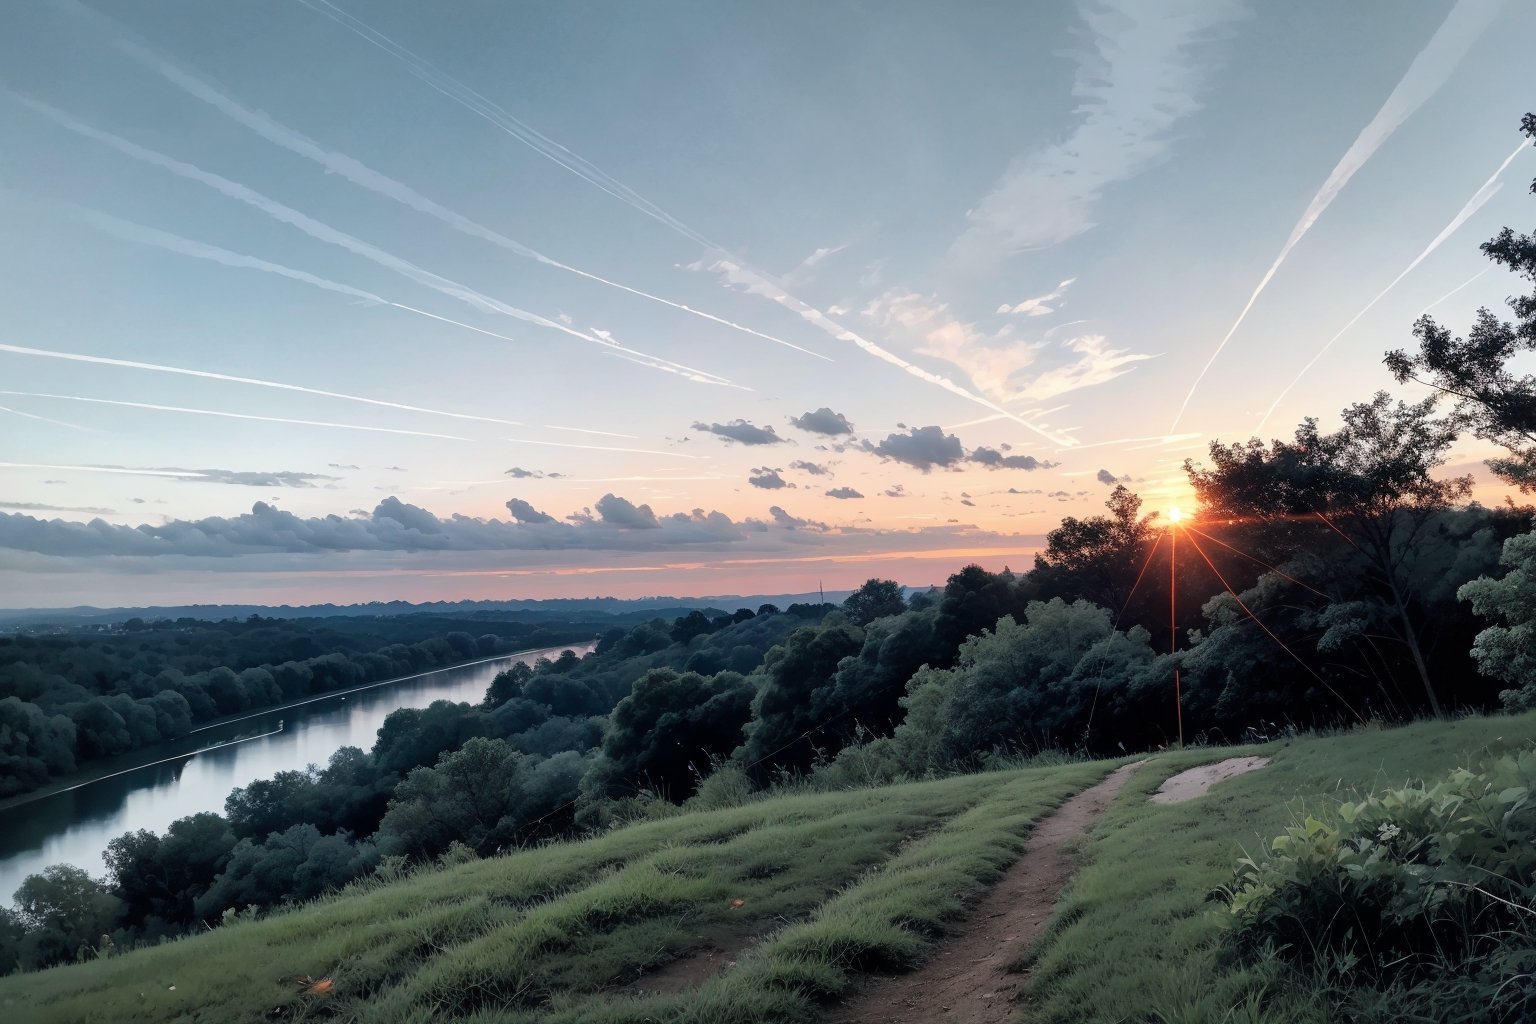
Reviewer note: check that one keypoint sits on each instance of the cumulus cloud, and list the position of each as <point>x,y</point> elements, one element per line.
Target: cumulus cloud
<point>523,512</point>
<point>786,521</point>
<point>392,526</point>
<point>895,491</point>
<point>519,473</point>
<point>1041,304</point>
<point>823,421</point>
<point>1108,478</point>
<point>1143,75</point>
<point>922,448</point>
<point>339,465</point>
<point>768,479</point>
<point>617,511</point>
<point>813,468</point>
<point>843,492</point>
<point>994,459</point>
<point>741,431</point>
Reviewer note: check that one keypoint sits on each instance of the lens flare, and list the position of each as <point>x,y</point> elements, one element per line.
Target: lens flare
<point>1175,514</point>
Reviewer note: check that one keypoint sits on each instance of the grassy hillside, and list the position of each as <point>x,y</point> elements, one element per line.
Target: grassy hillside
<point>801,895</point>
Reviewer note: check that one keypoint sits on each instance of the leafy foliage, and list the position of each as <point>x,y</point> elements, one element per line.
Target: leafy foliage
<point>1426,889</point>
<point>1508,652</point>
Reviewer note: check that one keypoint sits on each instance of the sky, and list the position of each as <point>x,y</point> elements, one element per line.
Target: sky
<point>306,301</point>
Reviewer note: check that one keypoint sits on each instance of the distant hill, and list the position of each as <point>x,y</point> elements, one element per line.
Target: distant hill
<point>563,608</point>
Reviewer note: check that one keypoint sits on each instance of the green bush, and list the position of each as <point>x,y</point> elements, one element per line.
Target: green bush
<point>1426,893</point>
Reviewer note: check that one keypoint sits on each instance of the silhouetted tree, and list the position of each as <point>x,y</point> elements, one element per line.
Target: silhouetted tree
<point>1491,398</point>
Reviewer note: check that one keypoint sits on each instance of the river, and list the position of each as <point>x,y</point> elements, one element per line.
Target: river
<point>155,786</point>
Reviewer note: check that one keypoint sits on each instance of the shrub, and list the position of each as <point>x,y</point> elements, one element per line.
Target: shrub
<point>1424,891</point>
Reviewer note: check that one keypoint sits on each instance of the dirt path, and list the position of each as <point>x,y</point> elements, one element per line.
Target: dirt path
<point>966,980</point>
<point>1197,781</point>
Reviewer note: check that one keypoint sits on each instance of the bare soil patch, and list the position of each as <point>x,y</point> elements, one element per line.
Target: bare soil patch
<point>1196,781</point>
<point>967,979</point>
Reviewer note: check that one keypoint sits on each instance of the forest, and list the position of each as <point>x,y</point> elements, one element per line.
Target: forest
<point>68,699</point>
<point>1328,580</point>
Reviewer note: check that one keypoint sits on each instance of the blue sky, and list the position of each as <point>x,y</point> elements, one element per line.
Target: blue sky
<point>526,300</point>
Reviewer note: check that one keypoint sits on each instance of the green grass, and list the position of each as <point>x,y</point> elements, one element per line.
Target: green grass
<point>1135,938</point>
<point>833,886</point>
<point>557,932</point>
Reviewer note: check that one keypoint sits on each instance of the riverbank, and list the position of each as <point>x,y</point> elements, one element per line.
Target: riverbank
<point>107,768</point>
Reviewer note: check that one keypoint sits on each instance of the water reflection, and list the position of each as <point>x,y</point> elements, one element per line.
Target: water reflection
<point>75,826</point>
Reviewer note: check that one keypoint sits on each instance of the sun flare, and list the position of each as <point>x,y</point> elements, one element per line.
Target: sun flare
<point>1175,514</point>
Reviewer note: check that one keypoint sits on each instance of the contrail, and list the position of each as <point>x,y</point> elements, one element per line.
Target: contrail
<point>133,364</point>
<point>1423,78</point>
<point>325,233</point>
<point>764,283</point>
<point>1490,187</point>
<point>595,447</point>
<point>44,419</point>
<point>232,415</point>
<point>1453,291</point>
<point>178,473</point>
<point>360,174</point>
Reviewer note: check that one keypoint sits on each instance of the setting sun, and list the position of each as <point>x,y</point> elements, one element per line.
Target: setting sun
<point>1175,514</point>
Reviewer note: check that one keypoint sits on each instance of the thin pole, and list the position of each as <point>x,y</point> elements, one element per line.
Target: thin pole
<point>1173,625</point>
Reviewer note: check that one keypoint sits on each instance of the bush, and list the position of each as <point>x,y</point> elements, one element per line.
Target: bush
<point>1424,892</point>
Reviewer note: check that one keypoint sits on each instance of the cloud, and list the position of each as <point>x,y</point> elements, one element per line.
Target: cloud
<point>806,269</point>
<point>844,493</point>
<point>922,448</point>
<point>968,502</point>
<point>1141,77</point>
<point>895,491</point>
<point>523,512</point>
<point>994,459</point>
<point>741,431</point>
<point>616,511</point>
<point>786,521</point>
<point>1001,365</point>
<point>823,421</point>
<point>282,478</point>
<point>393,526</point>
<point>1424,77</point>
<point>813,468</point>
<point>1107,478</point>
<point>1039,306</point>
<point>1096,363</point>
<point>32,506</point>
<point>736,274</point>
<point>519,473</point>
<point>768,479</point>
<point>339,465</point>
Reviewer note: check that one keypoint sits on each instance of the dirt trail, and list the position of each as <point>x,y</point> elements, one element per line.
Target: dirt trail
<point>1197,781</point>
<point>966,980</point>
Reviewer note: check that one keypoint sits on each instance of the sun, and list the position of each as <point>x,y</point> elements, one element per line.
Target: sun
<point>1175,514</point>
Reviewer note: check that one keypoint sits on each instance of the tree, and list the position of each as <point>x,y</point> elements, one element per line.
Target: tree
<point>64,910</point>
<point>1508,652</point>
<point>1371,483</point>
<point>667,730</point>
<point>1097,558</point>
<point>1497,404</point>
<point>469,796</point>
<point>875,600</point>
